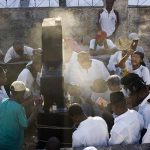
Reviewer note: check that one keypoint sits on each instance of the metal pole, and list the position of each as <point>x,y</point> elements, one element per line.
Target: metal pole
<point>49,3</point>
<point>35,3</point>
<point>6,3</point>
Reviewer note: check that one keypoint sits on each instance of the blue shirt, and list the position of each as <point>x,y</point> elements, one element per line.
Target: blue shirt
<point>12,123</point>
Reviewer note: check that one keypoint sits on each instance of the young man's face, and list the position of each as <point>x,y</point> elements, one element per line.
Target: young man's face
<point>109,4</point>
<point>135,59</point>
<point>19,49</point>
<point>100,42</point>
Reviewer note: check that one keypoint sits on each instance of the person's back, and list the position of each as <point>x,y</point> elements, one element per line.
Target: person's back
<point>92,131</point>
<point>12,123</point>
<point>128,127</point>
<point>128,123</point>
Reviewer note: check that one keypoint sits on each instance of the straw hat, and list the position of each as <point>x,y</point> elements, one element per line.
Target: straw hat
<point>123,44</point>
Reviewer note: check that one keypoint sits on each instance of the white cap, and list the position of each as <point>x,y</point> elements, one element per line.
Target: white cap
<point>18,86</point>
<point>90,148</point>
<point>139,49</point>
<point>133,36</point>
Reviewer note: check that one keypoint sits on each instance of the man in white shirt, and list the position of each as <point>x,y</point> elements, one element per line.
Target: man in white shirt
<point>108,19</point>
<point>31,74</point>
<point>128,123</point>
<point>18,52</point>
<point>85,72</point>
<point>3,80</point>
<point>90,131</point>
<point>31,78</point>
<point>139,96</point>
<point>100,45</point>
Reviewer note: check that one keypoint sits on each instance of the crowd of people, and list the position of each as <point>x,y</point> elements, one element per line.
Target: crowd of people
<point>109,95</point>
<point>109,100</point>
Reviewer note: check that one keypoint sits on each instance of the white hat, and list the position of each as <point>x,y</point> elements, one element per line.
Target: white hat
<point>133,36</point>
<point>140,49</point>
<point>90,148</point>
<point>18,86</point>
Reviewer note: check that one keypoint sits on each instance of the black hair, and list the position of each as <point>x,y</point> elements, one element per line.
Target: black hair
<point>18,42</point>
<point>116,97</point>
<point>75,110</point>
<point>141,56</point>
<point>53,144</point>
<point>133,82</point>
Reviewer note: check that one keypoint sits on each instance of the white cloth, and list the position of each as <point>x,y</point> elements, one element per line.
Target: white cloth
<point>126,128</point>
<point>11,53</point>
<point>92,131</point>
<point>146,137</point>
<point>69,66</point>
<point>110,44</point>
<point>108,21</point>
<point>115,59</point>
<point>28,79</point>
<point>143,72</point>
<point>144,110</point>
<point>3,93</point>
<point>85,77</point>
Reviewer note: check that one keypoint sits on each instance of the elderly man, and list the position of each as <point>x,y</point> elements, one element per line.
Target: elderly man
<point>90,131</point>
<point>85,72</point>
<point>13,118</point>
<point>18,52</point>
<point>127,124</point>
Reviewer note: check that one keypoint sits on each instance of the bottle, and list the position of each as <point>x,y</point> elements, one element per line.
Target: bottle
<point>54,107</point>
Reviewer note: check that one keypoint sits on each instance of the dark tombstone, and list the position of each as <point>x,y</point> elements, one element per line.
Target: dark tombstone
<point>53,121</point>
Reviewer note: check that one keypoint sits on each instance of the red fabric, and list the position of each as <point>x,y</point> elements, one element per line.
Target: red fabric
<point>101,35</point>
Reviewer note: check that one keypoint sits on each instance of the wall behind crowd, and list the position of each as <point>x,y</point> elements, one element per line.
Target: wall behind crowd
<point>25,23</point>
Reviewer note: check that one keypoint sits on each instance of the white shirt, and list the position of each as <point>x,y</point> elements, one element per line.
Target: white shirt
<point>92,131</point>
<point>126,128</point>
<point>3,93</point>
<point>115,59</point>
<point>143,72</point>
<point>11,53</point>
<point>69,66</point>
<point>85,77</point>
<point>144,110</point>
<point>146,137</point>
<point>29,80</point>
<point>110,44</point>
<point>108,21</point>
